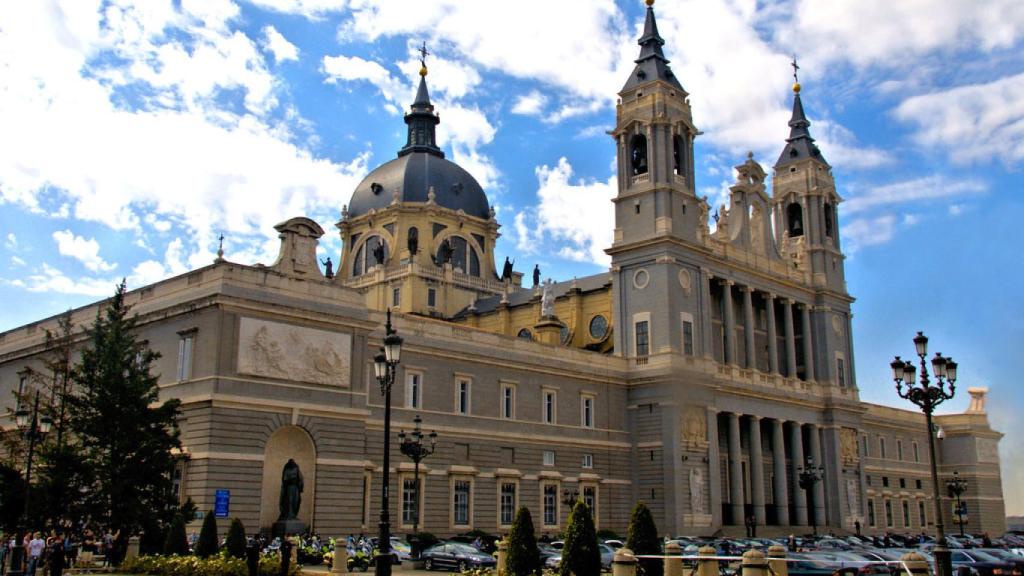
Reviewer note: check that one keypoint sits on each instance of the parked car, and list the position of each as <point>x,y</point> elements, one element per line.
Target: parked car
<point>803,565</point>
<point>607,555</point>
<point>984,564</point>
<point>457,556</point>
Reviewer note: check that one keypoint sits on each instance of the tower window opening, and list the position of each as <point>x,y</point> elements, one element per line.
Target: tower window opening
<point>829,211</point>
<point>463,256</point>
<point>374,251</point>
<point>679,155</point>
<point>794,220</point>
<point>638,154</point>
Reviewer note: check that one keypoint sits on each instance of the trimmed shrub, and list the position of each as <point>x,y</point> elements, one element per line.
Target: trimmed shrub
<point>176,542</point>
<point>643,539</point>
<point>236,542</point>
<point>523,555</point>
<point>209,543</point>
<point>580,554</point>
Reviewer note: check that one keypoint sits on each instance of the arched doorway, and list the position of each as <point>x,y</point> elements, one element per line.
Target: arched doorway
<point>295,443</point>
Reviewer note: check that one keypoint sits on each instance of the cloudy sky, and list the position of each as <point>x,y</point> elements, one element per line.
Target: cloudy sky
<point>133,134</point>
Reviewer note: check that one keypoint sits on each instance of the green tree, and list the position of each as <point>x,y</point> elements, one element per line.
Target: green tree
<point>176,542</point>
<point>125,433</point>
<point>523,555</point>
<point>643,539</point>
<point>12,497</point>
<point>209,542</point>
<point>236,539</point>
<point>580,553</point>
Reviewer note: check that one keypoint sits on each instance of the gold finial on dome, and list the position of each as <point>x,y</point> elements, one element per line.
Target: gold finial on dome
<point>796,87</point>
<point>423,59</point>
<point>650,3</point>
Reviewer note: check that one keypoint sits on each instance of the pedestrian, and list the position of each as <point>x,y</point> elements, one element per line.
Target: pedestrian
<point>35,553</point>
<point>55,556</point>
<point>3,551</point>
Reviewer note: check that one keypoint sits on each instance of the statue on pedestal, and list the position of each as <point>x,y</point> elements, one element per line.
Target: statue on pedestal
<point>291,491</point>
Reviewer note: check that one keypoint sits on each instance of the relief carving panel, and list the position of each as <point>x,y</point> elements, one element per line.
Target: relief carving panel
<point>848,445</point>
<point>289,352</point>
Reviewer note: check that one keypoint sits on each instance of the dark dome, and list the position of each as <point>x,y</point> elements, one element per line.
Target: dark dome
<point>412,175</point>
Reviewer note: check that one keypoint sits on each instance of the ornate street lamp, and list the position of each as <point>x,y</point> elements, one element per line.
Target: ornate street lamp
<point>927,397</point>
<point>384,365</point>
<point>34,427</point>
<point>956,486</point>
<point>413,447</point>
<point>809,475</point>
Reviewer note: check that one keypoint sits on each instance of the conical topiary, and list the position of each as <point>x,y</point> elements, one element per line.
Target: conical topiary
<point>208,544</point>
<point>643,539</point>
<point>523,555</point>
<point>580,554</point>
<point>236,542</point>
<point>176,542</point>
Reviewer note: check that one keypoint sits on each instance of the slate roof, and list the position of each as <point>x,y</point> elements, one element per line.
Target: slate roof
<point>652,64</point>
<point>799,145</point>
<point>526,295</point>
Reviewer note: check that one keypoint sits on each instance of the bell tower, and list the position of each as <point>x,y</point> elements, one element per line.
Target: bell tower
<point>654,135</point>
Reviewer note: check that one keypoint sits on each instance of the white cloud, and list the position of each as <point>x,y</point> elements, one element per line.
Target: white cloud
<point>978,122</point>
<point>11,243</point>
<point>862,232</point>
<point>15,261</point>
<point>579,214</point>
<point>85,251</point>
<point>50,279</point>
<point>916,190</point>
<point>530,104</point>
<point>279,46</point>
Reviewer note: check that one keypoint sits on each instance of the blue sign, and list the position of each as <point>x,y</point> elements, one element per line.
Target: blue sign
<point>221,502</point>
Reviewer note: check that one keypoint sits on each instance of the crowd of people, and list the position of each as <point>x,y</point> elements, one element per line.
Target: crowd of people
<point>33,554</point>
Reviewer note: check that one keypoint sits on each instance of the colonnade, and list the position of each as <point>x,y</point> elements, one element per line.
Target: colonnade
<point>730,355</point>
<point>790,443</point>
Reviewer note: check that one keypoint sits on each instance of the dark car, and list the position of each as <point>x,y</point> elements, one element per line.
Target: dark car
<point>984,564</point>
<point>801,565</point>
<point>457,556</point>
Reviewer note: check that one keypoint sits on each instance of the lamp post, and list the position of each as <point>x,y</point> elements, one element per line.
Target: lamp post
<point>809,475</point>
<point>413,447</point>
<point>385,363</point>
<point>927,397</point>
<point>956,486</point>
<point>34,428</point>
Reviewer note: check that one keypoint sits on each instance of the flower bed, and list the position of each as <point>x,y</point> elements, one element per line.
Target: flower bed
<point>219,565</point>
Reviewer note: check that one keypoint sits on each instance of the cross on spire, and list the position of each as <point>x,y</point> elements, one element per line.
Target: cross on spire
<point>795,69</point>
<point>423,53</point>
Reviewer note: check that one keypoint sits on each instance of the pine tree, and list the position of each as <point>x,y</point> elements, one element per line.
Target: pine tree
<point>580,553</point>
<point>236,541</point>
<point>643,539</point>
<point>209,542</point>
<point>123,431</point>
<point>523,555</point>
<point>177,542</point>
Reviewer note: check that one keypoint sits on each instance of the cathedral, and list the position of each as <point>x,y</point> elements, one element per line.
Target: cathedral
<point>700,374</point>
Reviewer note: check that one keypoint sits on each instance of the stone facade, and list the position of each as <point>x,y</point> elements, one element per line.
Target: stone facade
<point>697,375</point>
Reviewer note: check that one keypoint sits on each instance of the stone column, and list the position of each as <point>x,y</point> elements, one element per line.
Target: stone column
<point>779,456</point>
<point>714,469</point>
<point>748,326</point>
<point>787,312</point>
<point>819,487</point>
<point>735,470</point>
<point>756,470</point>
<point>773,334</point>
<point>730,323</point>
<point>796,447</point>
<point>805,312</point>
<point>705,314</point>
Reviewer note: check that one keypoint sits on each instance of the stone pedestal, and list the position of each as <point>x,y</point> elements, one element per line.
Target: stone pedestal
<point>285,527</point>
<point>548,330</point>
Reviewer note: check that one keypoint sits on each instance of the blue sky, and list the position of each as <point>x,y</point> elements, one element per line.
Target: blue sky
<point>132,134</point>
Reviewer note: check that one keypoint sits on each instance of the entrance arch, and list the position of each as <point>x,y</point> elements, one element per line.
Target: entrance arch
<point>295,443</point>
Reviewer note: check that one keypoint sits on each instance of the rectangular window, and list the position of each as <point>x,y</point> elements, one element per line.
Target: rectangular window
<point>396,297</point>
<point>687,334</point>
<point>462,396</point>
<point>508,503</point>
<point>588,460</point>
<point>549,407</point>
<point>881,447</point>
<point>885,481</point>
<point>643,344</point>
<point>431,297</point>
<point>409,501</point>
<point>888,513</point>
<point>841,371</point>
<point>899,450</point>
<point>550,505</point>
<point>917,453</point>
<point>903,482</point>
<point>906,514</point>
<point>920,513</point>
<point>549,457</point>
<point>508,401</point>
<point>590,499</point>
<point>587,411</point>
<point>871,513</point>
<point>178,481</point>
<point>413,389</point>
<point>185,344</point>
<point>917,483</point>
<point>460,503</point>
<point>867,480</point>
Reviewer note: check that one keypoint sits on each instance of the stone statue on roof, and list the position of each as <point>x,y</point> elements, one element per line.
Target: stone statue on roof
<point>547,299</point>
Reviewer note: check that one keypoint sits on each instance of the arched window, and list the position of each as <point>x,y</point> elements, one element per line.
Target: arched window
<point>638,154</point>
<point>373,251</point>
<point>829,213</point>
<point>794,220</point>
<point>679,155</point>
<point>463,256</point>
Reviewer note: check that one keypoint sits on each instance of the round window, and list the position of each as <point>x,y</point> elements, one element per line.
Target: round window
<point>640,279</point>
<point>525,334</point>
<point>598,327</point>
